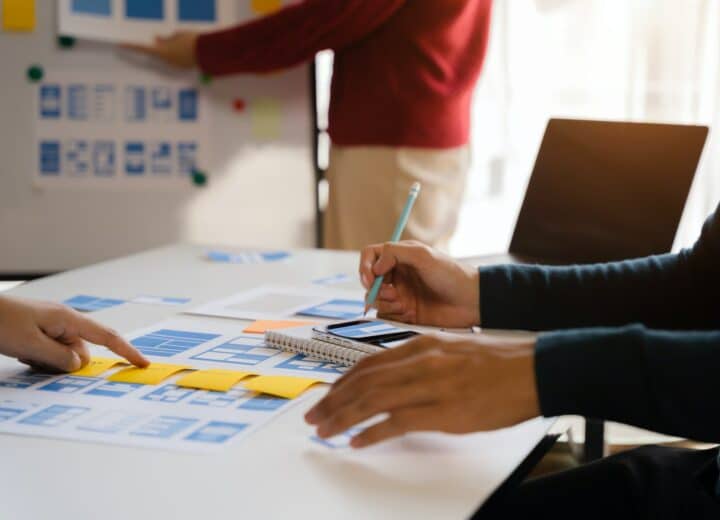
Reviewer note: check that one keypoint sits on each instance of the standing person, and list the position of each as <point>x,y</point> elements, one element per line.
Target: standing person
<point>403,79</point>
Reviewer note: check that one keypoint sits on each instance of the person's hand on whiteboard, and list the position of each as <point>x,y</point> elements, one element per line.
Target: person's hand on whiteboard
<point>421,285</point>
<point>50,336</point>
<point>178,49</point>
<point>433,384</point>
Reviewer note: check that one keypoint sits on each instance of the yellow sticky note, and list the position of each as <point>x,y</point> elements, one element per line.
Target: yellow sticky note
<point>288,387</point>
<point>217,379</point>
<point>97,366</point>
<point>265,116</point>
<point>265,6</point>
<point>261,326</point>
<point>151,375</point>
<point>18,15</point>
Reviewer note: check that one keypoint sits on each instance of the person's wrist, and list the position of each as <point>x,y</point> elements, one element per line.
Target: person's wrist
<point>523,382</point>
<point>471,299</point>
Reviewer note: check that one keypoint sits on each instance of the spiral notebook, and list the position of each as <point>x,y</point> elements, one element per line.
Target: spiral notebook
<point>300,340</point>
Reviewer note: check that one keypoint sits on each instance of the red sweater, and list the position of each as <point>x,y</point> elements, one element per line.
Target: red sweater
<point>404,69</point>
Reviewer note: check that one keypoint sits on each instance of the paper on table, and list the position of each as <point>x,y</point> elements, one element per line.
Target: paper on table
<point>288,387</point>
<point>272,302</point>
<point>18,15</point>
<point>151,375</point>
<point>261,326</point>
<point>216,379</point>
<point>97,366</point>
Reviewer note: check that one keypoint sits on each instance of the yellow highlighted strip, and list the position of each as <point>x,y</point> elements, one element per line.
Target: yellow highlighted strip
<point>151,375</point>
<point>288,387</point>
<point>18,15</point>
<point>217,379</point>
<point>261,326</point>
<point>97,366</point>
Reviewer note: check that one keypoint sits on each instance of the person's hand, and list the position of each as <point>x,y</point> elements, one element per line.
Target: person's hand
<point>178,49</point>
<point>50,336</point>
<point>421,285</point>
<point>430,383</point>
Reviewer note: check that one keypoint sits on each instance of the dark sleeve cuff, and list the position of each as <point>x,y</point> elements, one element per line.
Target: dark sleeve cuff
<point>596,372</point>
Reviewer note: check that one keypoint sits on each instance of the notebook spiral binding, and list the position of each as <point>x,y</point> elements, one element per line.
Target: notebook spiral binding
<point>314,348</point>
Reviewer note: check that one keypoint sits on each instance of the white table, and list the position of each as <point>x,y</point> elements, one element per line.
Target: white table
<point>276,472</point>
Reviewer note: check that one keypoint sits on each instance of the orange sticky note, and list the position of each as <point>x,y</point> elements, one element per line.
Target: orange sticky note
<point>18,15</point>
<point>151,375</point>
<point>261,326</point>
<point>265,6</point>
<point>217,379</point>
<point>97,366</point>
<point>288,387</point>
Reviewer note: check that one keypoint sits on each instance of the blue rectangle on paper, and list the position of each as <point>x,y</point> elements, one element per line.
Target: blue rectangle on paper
<point>264,403</point>
<point>164,427</point>
<point>69,384</point>
<point>135,103</point>
<point>77,102</point>
<point>110,422</point>
<point>167,343</point>
<point>239,351</point>
<point>93,7</point>
<point>188,104</point>
<point>135,158</point>
<point>87,303</point>
<point>168,394</point>
<point>50,106</point>
<point>24,379</point>
<point>216,432</point>
<point>54,415</point>
<point>113,389</point>
<point>309,364</point>
<point>103,158</point>
<point>145,9</point>
<point>49,158</point>
<point>336,309</point>
<point>197,10</point>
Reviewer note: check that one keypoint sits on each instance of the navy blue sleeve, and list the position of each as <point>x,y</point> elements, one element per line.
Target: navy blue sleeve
<point>667,291</point>
<point>607,361</point>
<point>665,381</point>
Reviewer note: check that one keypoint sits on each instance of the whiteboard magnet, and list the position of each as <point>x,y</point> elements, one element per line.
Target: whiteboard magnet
<point>35,73</point>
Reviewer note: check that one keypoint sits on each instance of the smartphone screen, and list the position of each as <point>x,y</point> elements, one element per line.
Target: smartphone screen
<point>365,330</point>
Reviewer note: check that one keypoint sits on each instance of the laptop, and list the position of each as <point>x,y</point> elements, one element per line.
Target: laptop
<point>603,191</point>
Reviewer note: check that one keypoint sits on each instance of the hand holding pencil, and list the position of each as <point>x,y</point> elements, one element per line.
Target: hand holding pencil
<point>412,283</point>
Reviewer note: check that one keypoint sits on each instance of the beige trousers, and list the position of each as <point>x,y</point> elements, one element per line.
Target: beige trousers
<point>369,186</point>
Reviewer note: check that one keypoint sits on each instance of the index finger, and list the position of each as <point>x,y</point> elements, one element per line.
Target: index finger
<point>368,256</point>
<point>101,335</point>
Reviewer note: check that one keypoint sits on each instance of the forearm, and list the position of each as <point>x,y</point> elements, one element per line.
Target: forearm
<point>292,35</point>
<point>659,380</point>
<point>665,291</point>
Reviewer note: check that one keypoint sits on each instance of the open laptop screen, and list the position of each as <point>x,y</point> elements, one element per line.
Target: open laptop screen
<point>604,191</point>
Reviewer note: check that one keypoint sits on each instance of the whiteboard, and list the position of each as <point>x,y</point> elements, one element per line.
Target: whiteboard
<point>260,192</point>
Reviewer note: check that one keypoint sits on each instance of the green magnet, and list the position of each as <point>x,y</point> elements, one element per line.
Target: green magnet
<point>35,73</point>
<point>205,78</point>
<point>66,42</point>
<point>199,178</point>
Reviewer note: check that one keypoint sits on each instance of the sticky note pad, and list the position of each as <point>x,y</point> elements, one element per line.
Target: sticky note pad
<point>266,119</point>
<point>97,366</point>
<point>217,379</point>
<point>265,6</point>
<point>18,15</point>
<point>288,387</point>
<point>151,375</point>
<point>261,326</point>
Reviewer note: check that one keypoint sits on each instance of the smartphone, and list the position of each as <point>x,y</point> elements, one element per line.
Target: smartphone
<point>359,334</point>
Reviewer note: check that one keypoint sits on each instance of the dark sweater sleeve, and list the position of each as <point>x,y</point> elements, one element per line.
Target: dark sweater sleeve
<point>292,35</point>
<point>665,381</point>
<point>667,291</point>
